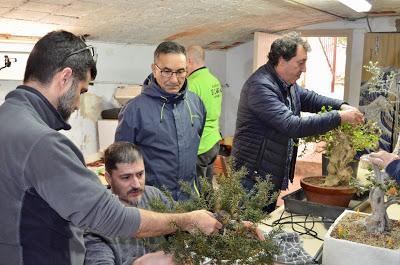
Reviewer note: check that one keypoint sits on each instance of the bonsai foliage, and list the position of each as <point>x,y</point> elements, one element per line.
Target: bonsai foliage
<point>342,145</point>
<point>384,109</point>
<point>231,205</point>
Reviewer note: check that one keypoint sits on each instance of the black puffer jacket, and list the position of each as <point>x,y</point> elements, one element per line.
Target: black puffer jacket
<point>265,122</point>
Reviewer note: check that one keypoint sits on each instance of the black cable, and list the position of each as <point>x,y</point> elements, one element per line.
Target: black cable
<point>369,26</point>
<point>302,224</point>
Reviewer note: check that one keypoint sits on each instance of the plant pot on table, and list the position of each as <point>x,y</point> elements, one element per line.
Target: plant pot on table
<point>344,252</point>
<point>337,196</point>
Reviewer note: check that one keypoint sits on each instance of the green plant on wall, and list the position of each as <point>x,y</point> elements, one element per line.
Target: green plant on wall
<point>231,204</point>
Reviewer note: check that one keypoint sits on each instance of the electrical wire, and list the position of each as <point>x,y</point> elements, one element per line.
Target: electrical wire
<point>369,25</point>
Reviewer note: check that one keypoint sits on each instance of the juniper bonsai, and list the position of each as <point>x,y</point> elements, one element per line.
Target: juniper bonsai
<point>231,204</point>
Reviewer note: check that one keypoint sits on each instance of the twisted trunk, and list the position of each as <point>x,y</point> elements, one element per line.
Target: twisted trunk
<point>339,170</point>
<point>378,221</point>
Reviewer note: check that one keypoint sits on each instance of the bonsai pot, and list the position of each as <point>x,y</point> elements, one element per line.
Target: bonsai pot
<point>344,252</point>
<point>337,196</point>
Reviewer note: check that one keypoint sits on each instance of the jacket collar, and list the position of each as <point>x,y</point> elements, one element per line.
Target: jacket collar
<point>41,105</point>
<point>197,71</point>
<point>282,84</point>
<point>152,89</point>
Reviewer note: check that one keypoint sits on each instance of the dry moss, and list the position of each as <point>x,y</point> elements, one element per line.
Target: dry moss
<point>351,228</point>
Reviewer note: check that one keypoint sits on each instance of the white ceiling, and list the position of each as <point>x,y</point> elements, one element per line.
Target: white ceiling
<point>214,24</point>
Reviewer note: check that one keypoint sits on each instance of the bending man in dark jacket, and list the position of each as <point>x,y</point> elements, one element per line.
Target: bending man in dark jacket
<point>166,121</point>
<point>47,195</point>
<point>268,118</point>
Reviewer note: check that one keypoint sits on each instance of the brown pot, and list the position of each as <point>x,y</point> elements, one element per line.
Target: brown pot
<point>337,196</point>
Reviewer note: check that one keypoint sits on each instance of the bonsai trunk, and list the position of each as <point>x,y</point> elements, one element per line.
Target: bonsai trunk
<point>378,221</point>
<point>339,171</point>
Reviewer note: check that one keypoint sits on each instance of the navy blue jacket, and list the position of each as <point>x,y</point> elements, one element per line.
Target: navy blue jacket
<point>265,122</point>
<point>393,170</point>
<point>168,128</point>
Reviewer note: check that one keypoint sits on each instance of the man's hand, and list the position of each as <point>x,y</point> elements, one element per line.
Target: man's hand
<point>351,115</point>
<point>382,158</point>
<point>254,229</point>
<point>159,258</point>
<point>347,107</point>
<point>203,220</point>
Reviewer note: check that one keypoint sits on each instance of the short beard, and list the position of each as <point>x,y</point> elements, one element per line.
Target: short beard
<point>66,101</point>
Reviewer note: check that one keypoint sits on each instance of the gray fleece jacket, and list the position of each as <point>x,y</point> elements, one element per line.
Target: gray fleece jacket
<point>47,195</point>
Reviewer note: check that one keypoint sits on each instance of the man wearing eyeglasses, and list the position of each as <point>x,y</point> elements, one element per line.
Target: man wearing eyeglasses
<point>47,195</point>
<point>166,121</point>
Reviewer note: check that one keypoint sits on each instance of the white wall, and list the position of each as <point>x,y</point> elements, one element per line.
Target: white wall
<point>117,64</point>
<point>239,66</point>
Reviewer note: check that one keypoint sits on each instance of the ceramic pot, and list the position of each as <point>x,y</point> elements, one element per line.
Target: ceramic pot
<point>343,252</point>
<point>337,196</point>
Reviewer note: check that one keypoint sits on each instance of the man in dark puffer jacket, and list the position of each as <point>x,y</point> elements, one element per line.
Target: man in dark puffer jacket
<point>268,118</point>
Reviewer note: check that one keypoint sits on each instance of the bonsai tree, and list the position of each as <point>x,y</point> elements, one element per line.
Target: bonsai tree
<point>384,83</point>
<point>381,185</point>
<point>341,146</point>
<point>231,205</point>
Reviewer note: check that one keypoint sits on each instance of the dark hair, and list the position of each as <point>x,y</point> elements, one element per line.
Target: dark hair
<point>121,152</point>
<point>169,47</point>
<point>52,53</point>
<point>286,47</point>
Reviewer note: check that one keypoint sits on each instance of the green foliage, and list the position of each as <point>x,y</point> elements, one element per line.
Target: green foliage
<point>380,82</point>
<point>231,204</point>
<point>342,144</point>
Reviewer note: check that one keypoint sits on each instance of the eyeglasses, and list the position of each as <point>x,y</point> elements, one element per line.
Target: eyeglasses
<point>181,73</point>
<point>89,48</point>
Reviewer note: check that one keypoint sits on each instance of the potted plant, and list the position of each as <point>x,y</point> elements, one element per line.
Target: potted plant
<point>341,146</point>
<point>371,238</point>
<point>231,205</point>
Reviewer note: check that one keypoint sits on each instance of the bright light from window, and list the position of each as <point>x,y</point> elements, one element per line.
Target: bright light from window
<point>24,28</point>
<point>357,5</point>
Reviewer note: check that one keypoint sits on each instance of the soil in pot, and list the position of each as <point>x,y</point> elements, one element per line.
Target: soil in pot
<point>351,228</point>
<point>316,192</point>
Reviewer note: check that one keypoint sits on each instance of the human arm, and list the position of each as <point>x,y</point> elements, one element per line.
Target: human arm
<point>159,258</point>
<point>98,250</point>
<point>157,224</point>
<point>267,104</point>
<point>313,102</point>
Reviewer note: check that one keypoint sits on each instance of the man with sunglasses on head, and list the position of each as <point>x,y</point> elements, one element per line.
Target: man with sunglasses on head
<point>166,121</point>
<point>47,195</point>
